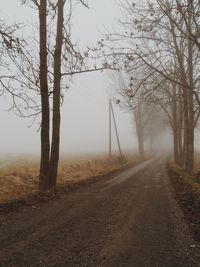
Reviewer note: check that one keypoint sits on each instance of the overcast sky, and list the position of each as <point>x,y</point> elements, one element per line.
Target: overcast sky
<point>84,126</point>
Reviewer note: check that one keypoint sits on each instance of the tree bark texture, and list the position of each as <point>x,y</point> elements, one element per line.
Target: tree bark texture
<point>43,76</point>
<point>55,145</point>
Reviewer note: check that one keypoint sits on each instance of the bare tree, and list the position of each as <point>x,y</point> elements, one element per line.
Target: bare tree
<point>44,92</point>
<point>59,59</point>
<point>158,39</point>
<point>56,97</point>
<point>11,48</point>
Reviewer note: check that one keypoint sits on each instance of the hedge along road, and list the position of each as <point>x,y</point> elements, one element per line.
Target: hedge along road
<point>129,219</point>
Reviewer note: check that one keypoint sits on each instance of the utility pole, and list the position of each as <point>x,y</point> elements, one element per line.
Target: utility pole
<point>112,115</point>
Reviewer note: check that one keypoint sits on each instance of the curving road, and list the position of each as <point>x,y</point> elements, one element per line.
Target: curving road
<point>129,219</point>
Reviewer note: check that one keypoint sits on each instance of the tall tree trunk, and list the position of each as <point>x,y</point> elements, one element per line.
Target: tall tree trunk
<point>175,138</point>
<point>139,130</point>
<point>180,147</point>
<point>191,124</point>
<point>45,142</point>
<point>54,159</point>
<point>174,122</point>
<point>188,105</point>
<point>141,145</point>
<point>186,125</point>
<point>180,128</point>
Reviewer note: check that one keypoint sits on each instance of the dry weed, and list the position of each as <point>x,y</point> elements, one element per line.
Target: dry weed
<point>19,175</point>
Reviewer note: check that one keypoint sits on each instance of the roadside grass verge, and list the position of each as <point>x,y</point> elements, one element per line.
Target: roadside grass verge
<point>187,194</point>
<point>187,178</point>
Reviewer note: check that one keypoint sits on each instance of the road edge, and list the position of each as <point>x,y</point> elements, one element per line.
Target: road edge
<point>34,200</point>
<point>187,194</point>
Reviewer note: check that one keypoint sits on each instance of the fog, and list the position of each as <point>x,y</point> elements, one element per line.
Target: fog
<point>85,111</point>
<point>84,126</point>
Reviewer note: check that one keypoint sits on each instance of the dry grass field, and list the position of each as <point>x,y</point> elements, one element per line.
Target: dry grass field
<point>19,174</point>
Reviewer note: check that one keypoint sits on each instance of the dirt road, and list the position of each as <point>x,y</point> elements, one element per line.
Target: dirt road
<point>130,219</point>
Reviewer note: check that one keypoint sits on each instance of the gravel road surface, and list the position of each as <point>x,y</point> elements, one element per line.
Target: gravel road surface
<point>129,219</point>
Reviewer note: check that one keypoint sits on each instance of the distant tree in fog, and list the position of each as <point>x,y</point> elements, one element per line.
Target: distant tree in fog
<point>160,40</point>
<point>145,112</point>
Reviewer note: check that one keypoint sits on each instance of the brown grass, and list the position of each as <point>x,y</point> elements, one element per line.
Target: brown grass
<point>19,176</point>
<point>186,177</point>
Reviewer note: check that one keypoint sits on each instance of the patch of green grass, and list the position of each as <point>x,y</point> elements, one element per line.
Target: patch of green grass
<point>187,178</point>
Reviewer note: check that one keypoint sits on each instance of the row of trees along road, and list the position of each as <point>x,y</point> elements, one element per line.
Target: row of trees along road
<point>149,119</point>
<point>158,47</point>
<point>43,67</point>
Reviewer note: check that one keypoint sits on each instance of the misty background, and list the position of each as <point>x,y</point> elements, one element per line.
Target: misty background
<point>85,110</point>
